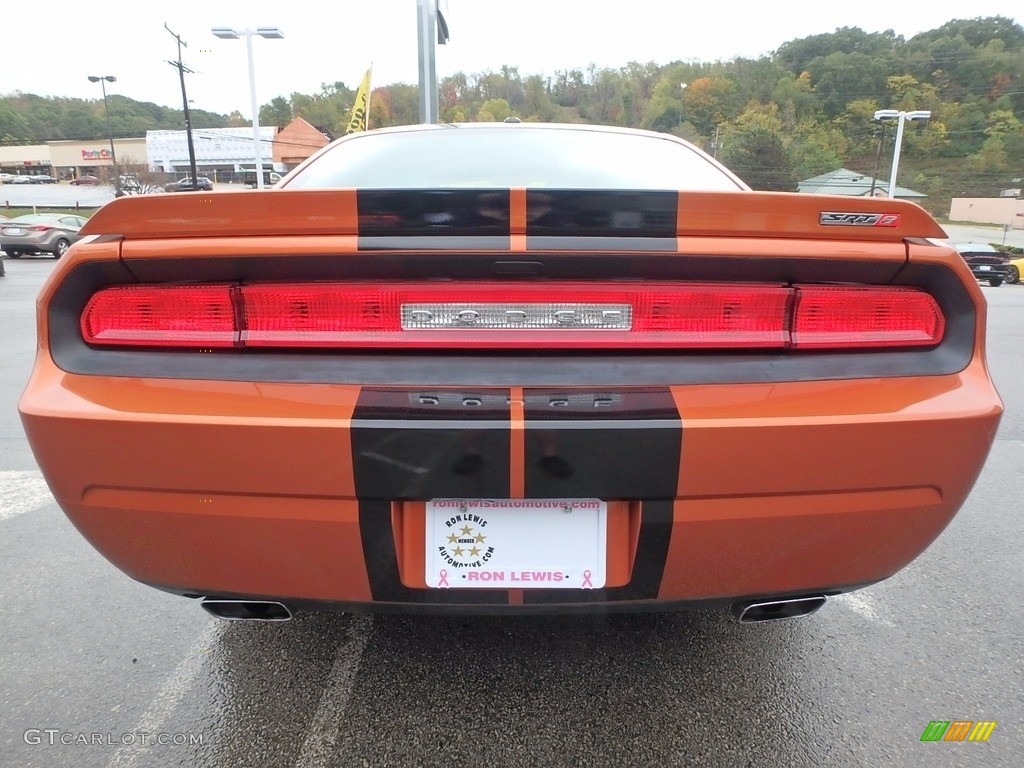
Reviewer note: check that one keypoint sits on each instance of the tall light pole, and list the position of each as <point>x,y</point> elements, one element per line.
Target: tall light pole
<point>271,33</point>
<point>901,117</point>
<point>103,80</point>
<point>429,22</point>
<point>682,93</point>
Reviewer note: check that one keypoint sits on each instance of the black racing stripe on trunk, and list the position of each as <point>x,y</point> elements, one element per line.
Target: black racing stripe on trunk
<point>600,213</point>
<point>429,443</point>
<point>594,244</point>
<point>606,444</point>
<point>382,565</point>
<point>477,212</point>
<point>648,568</point>
<point>441,243</point>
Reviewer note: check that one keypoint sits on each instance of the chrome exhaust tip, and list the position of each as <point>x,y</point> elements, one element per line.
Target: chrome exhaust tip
<point>246,610</point>
<point>770,610</point>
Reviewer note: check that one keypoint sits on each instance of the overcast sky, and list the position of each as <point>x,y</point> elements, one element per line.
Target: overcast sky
<point>53,53</point>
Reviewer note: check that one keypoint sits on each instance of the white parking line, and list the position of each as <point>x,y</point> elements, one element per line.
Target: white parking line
<point>174,689</point>
<point>322,736</point>
<point>863,605</point>
<point>22,491</point>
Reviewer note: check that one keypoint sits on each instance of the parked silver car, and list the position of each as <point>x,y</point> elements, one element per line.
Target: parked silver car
<point>51,233</point>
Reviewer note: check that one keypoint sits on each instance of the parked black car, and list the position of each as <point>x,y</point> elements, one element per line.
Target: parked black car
<point>986,261</point>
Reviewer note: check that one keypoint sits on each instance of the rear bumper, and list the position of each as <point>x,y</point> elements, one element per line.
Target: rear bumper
<point>304,493</point>
<point>988,271</point>
<point>26,246</point>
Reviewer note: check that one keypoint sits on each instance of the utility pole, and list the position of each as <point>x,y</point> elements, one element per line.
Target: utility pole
<point>878,161</point>
<point>182,69</point>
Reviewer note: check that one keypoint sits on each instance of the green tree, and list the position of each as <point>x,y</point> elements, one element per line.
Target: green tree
<point>494,110</point>
<point>842,77</point>
<point>796,98</point>
<point>755,151</point>
<point>992,158</point>
<point>278,112</point>
<point>977,32</point>
<point>709,102</point>
<point>537,103</point>
<point>797,55</point>
<point>817,148</point>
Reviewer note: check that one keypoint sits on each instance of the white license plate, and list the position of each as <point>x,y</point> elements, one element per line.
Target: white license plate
<point>14,231</point>
<point>516,543</point>
<point>984,269</point>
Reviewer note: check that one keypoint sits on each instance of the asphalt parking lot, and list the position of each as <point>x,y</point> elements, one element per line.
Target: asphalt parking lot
<point>100,671</point>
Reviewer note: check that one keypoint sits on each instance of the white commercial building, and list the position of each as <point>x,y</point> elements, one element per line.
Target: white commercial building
<point>227,150</point>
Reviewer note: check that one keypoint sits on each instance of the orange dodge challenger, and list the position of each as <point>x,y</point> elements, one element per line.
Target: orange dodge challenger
<point>510,368</point>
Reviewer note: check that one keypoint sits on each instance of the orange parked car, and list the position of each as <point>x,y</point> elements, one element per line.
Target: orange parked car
<point>510,368</point>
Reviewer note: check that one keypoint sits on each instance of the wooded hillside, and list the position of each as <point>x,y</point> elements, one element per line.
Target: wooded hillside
<point>803,110</point>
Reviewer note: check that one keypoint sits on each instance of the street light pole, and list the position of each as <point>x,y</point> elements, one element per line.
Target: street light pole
<point>901,117</point>
<point>682,93</point>
<point>103,80</point>
<point>429,22</point>
<point>271,33</point>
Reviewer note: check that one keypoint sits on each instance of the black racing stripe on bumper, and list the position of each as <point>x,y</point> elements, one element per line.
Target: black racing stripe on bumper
<point>648,568</point>
<point>476,212</point>
<point>420,444</point>
<point>605,444</point>
<point>382,565</point>
<point>637,434</point>
<point>599,213</point>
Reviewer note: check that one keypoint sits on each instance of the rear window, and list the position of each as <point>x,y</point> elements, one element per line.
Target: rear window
<point>975,248</point>
<point>513,156</point>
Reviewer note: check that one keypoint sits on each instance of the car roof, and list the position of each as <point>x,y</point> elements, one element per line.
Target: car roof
<point>497,155</point>
<point>982,247</point>
<point>39,217</point>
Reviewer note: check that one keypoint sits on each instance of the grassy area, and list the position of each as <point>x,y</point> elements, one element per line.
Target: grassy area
<point>10,213</point>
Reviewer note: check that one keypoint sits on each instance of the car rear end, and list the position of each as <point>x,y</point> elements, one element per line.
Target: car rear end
<point>644,399</point>
<point>986,262</point>
<point>28,235</point>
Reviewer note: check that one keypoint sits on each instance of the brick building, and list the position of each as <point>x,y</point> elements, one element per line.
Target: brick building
<point>297,141</point>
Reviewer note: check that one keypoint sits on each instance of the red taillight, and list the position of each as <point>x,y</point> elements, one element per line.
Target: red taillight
<point>39,228</point>
<point>161,316</point>
<point>494,315</point>
<point>479,315</point>
<point>827,317</point>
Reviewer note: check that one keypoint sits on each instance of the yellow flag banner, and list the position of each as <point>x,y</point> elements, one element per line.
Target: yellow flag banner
<point>359,121</point>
